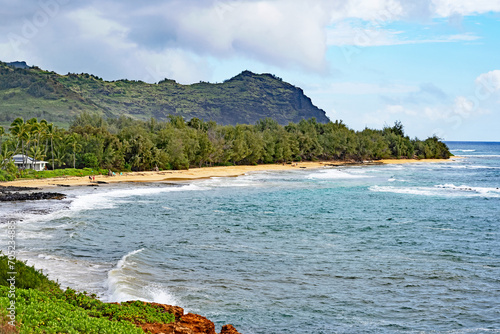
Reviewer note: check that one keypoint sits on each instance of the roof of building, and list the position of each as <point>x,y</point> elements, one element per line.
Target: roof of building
<point>21,158</point>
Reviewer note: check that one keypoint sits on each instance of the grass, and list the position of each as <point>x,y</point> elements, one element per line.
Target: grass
<point>32,174</point>
<point>45,174</point>
<point>42,307</point>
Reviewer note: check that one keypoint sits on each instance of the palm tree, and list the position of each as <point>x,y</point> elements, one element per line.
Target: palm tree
<point>37,153</point>
<point>35,129</point>
<point>42,134</point>
<point>72,141</point>
<point>58,156</point>
<point>19,129</point>
<point>51,132</point>
<point>5,156</point>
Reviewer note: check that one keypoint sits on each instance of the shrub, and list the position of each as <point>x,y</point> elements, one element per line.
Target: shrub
<point>27,277</point>
<point>90,160</point>
<point>5,176</point>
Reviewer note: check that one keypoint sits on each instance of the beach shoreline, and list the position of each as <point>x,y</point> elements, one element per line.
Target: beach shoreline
<point>196,173</point>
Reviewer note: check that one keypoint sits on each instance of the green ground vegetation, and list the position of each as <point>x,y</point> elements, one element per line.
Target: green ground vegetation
<point>32,174</point>
<point>93,145</point>
<point>42,307</point>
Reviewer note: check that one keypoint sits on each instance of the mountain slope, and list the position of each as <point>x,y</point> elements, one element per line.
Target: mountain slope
<point>32,92</point>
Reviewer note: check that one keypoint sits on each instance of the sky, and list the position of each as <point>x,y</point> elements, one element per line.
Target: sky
<point>434,65</point>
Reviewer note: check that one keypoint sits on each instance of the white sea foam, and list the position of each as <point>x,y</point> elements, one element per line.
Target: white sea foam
<point>336,174</point>
<point>159,294</point>
<point>403,190</point>
<point>123,261</point>
<point>483,191</point>
<point>125,283</point>
<point>78,274</point>
<point>447,190</point>
<point>481,155</point>
<point>120,279</point>
<point>107,200</point>
<point>33,235</point>
<point>469,167</point>
<point>392,179</point>
<point>253,179</point>
<point>462,150</point>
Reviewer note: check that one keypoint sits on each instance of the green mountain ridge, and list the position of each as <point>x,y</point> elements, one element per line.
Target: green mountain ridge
<point>244,99</point>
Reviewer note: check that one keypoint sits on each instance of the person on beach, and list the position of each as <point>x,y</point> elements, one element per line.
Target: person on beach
<point>93,178</point>
<point>90,178</point>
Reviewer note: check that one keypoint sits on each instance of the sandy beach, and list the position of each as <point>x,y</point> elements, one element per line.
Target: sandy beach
<point>192,174</point>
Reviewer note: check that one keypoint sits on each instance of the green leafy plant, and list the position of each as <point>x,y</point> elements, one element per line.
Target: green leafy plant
<point>42,307</point>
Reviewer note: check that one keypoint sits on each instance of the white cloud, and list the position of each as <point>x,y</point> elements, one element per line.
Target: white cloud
<point>490,81</point>
<point>365,35</point>
<point>368,10</point>
<point>446,8</point>
<point>111,38</point>
<point>398,109</point>
<point>93,26</point>
<point>363,88</point>
<point>389,114</point>
<point>436,113</point>
<point>391,10</point>
<point>278,32</point>
<point>177,64</point>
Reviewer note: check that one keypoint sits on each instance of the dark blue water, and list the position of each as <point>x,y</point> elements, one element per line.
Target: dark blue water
<point>373,249</point>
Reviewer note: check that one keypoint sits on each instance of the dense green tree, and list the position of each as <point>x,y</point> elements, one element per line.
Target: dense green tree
<point>19,129</point>
<point>2,133</point>
<point>124,143</point>
<point>73,142</point>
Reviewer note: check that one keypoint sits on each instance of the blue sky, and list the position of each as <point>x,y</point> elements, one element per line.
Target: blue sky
<point>433,64</point>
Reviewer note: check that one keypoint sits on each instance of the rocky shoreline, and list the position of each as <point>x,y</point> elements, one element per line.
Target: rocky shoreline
<point>184,323</point>
<point>12,194</point>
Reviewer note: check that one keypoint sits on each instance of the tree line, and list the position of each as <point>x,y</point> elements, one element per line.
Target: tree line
<point>127,144</point>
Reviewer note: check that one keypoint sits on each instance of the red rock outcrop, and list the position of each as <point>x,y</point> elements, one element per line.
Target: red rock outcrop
<point>184,324</point>
<point>197,324</point>
<point>229,329</point>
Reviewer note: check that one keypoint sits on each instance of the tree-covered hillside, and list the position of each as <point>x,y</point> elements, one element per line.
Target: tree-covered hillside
<point>244,99</point>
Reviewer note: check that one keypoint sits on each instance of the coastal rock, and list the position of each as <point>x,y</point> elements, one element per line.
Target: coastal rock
<point>229,329</point>
<point>17,196</point>
<point>174,328</point>
<point>197,324</point>
<point>5,189</point>
<point>184,324</point>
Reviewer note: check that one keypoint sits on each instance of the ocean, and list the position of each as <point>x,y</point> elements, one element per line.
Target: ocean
<point>411,248</point>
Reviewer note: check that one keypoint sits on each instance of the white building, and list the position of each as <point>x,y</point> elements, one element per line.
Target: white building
<point>21,160</point>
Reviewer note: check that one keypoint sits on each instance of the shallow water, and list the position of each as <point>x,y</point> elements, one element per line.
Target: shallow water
<point>373,249</point>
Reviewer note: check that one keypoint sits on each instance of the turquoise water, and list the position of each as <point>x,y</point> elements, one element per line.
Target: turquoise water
<point>373,249</point>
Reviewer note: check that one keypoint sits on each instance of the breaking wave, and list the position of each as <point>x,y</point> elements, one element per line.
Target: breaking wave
<point>126,282</point>
<point>107,200</point>
<point>447,190</point>
<point>329,174</point>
